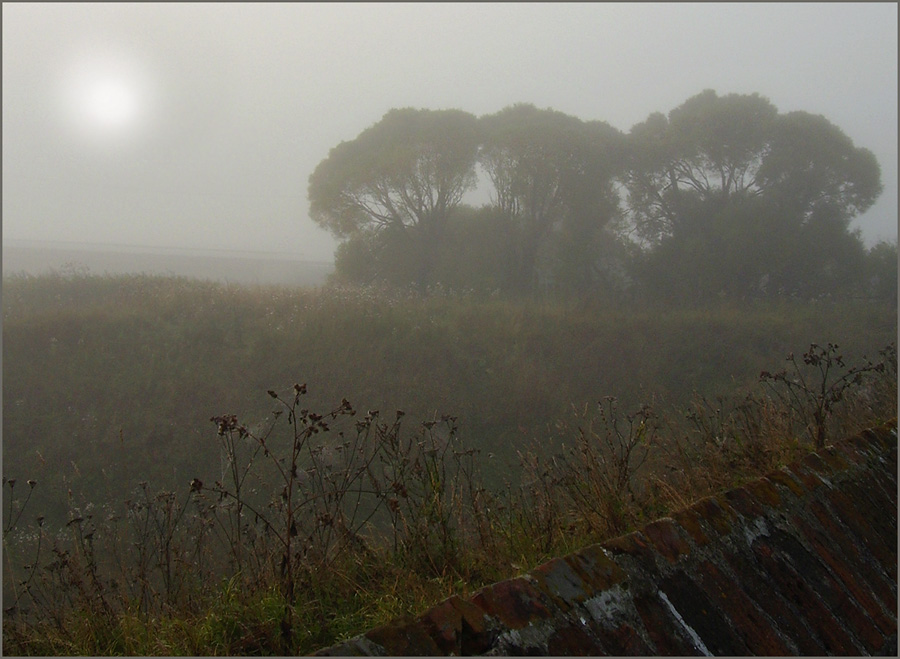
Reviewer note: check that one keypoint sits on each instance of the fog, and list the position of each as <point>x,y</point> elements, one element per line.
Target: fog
<point>456,393</point>
<point>196,126</point>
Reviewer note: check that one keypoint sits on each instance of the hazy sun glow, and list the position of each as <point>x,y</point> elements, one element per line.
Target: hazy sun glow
<point>111,103</point>
<point>106,98</point>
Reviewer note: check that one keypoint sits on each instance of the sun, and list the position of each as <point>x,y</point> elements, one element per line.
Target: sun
<point>106,98</point>
<point>110,103</point>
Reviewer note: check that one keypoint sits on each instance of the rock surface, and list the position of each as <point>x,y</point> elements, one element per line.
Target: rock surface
<point>800,562</point>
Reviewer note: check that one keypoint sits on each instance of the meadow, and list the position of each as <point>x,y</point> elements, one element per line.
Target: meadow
<point>194,467</point>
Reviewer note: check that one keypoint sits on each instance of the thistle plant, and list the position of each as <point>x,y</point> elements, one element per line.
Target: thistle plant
<point>608,453</point>
<point>813,388</point>
<point>309,517</point>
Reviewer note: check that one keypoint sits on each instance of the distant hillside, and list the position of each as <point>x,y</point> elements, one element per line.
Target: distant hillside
<point>217,265</point>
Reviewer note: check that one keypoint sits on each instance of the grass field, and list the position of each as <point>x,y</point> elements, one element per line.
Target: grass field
<point>110,383</point>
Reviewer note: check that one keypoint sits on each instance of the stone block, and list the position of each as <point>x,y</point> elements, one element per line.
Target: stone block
<point>666,539</point>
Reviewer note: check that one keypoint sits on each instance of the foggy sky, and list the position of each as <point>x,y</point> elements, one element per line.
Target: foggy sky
<point>232,106</point>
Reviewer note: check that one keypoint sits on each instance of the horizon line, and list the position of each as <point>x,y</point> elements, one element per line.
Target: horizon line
<point>95,246</point>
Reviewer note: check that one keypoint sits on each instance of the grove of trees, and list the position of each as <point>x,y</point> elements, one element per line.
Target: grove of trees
<point>725,196</point>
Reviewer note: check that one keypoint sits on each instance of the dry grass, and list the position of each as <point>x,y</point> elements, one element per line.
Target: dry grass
<point>315,526</point>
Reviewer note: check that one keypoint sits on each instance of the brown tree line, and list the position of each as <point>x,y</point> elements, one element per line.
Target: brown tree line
<point>725,196</point>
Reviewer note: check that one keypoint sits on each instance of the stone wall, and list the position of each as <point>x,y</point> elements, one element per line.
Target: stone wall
<point>802,561</point>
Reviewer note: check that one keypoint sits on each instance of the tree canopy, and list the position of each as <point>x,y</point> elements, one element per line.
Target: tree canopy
<point>407,171</point>
<point>719,149</point>
<point>814,171</point>
<point>724,195</point>
<point>549,172</point>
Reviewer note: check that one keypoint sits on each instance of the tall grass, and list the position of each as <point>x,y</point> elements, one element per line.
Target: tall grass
<point>297,517</point>
<point>101,372</point>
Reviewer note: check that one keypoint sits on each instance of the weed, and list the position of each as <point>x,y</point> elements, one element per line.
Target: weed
<point>813,390</point>
<point>602,468</point>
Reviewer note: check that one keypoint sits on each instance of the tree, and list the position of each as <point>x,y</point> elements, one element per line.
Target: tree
<point>746,250</point>
<point>548,170</point>
<point>470,255</point>
<point>815,173</point>
<point>722,179</point>
<point>713,149</point>
<point>406,173</point>
<point>474,252</point>
<point>881,272</point>
<point>708,151</point>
